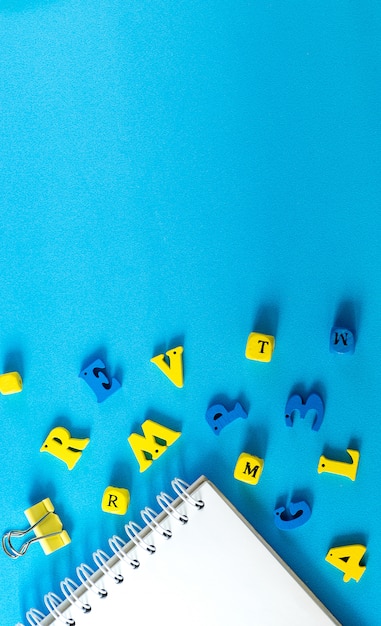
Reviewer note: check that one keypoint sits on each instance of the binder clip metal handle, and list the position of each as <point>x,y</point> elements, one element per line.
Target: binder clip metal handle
<point>46,526</point>
<point>9,548</point>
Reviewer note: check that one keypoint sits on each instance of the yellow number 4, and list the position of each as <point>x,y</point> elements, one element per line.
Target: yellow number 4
<point>347,559</point>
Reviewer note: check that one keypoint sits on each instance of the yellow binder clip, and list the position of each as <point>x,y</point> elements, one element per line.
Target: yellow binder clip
<point>45,524</point>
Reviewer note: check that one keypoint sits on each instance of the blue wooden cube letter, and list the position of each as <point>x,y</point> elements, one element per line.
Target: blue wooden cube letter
<point>342,341</point>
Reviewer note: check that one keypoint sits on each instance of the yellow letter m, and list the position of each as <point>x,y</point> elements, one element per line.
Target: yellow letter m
<point>154,443</point>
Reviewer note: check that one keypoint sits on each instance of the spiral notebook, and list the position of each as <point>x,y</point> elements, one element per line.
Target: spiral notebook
<point>197,562</point>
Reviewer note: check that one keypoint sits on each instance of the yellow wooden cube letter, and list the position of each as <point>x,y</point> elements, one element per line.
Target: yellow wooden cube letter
<point>10,383</point>
<point>115,500</point>
<point>260,347</point>
<point>248,468</point>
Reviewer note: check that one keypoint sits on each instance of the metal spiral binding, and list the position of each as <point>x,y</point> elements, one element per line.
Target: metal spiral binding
<point>117,545</point>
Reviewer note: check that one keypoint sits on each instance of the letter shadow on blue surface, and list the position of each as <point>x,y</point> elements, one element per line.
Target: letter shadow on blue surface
<point>341,454</point>
<point>301,389</point>
<point>41,490</point>
<point>348,315</point>
<point>78,432</point>
<point>14,362</point>
<point>266,319</point>
<point>121,475</point>
<point>159,418</point>
<point>296,495</point>
<point>229,401</point>
<point>163,347</point>
<point>256,441</point>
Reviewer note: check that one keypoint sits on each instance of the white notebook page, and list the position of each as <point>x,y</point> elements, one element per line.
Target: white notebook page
<point>214,571</point>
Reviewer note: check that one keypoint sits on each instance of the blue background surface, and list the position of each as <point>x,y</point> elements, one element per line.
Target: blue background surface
<point>188,172</point>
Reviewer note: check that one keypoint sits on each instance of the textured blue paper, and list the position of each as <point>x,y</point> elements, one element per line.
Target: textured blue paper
<point>186,173</point>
